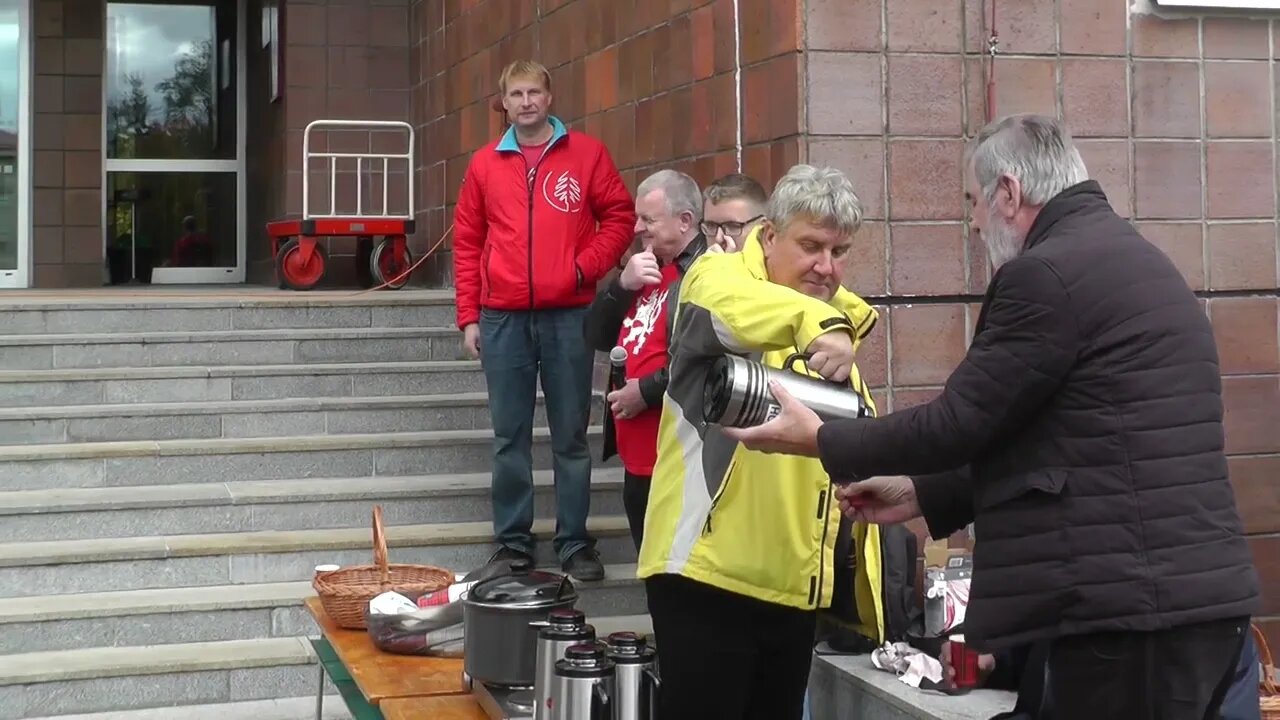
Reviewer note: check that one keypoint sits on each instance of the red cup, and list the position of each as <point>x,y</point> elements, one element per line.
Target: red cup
<point>964,660</point>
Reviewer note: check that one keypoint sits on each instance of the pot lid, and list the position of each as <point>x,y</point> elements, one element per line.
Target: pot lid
<point>522,590</point>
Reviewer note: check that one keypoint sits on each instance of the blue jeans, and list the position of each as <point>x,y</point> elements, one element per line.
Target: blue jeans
<point>516,347</point>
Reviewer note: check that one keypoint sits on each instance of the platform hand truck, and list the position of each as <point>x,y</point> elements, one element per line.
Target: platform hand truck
<point>383,258</point>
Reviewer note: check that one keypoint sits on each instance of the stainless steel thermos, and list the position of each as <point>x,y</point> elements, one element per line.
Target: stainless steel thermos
<point>562,629</point>
<point>737,393</point>
<point>635,682</point>
<point>585,684</point>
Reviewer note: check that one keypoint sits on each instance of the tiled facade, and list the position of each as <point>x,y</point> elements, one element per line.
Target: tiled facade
<point>1176,117</point>
<point>66,95</point>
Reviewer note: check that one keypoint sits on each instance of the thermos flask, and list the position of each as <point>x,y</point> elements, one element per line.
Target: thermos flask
<point>633,675</point>
<point>584,684</point>
<point>561,629</point>
<point>737,393</point>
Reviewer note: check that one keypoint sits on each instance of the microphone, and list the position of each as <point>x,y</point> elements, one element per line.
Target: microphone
<point>617,367</point>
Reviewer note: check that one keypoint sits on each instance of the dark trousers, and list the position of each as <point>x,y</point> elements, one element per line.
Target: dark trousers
<point>516,349</point>
<point>1178,674</point>
<point>724,656</point>
<point>635,499</point>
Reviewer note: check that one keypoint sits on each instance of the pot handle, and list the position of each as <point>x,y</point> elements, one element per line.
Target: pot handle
<point>649,700</point>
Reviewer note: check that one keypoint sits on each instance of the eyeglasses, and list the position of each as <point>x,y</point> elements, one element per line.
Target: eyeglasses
<point>730,229</point>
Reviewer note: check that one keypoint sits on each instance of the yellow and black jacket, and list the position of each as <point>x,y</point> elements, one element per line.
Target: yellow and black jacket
<point>755,524</point>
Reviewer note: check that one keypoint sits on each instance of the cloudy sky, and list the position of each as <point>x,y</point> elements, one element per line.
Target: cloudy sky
<point>147,39</point>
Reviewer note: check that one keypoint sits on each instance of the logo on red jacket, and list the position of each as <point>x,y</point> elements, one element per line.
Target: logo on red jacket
<point>562,192</point>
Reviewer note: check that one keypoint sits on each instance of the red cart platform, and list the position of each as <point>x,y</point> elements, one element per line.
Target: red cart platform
<point>382,255</point>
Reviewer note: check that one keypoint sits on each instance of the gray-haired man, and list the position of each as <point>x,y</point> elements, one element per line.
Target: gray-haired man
<point>632,313</point>
<point>1082,436</point>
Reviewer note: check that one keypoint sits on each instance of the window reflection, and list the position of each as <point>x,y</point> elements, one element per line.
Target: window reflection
<point>10,60</point>
<point>169,220</point>
<point>166,97</point>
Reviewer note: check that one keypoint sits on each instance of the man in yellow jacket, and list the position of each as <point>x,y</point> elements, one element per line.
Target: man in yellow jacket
<point>738,546</point>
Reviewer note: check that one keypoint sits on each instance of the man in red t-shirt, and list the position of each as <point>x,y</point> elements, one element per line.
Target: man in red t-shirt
<point>633,313</point>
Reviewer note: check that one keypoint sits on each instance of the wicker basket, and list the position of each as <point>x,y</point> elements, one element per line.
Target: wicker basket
<point>346,592</point>
<point>1269,695</point>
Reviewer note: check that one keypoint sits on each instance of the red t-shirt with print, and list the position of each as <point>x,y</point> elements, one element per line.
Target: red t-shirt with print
<point>644,335</point>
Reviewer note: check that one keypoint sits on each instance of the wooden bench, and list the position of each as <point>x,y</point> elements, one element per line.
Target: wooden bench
<point>448,707</point>
<point>381,686</point>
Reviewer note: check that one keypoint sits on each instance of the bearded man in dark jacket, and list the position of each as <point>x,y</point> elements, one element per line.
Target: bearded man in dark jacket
<point>1082,436</point>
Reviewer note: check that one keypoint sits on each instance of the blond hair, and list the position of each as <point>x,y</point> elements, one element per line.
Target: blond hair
<point>524,69</point>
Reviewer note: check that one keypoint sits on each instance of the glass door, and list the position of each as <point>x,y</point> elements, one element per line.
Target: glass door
<point>15,131</point>
<point>174,186</point>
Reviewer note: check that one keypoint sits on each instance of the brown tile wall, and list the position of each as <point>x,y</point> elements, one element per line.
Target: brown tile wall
<point>265,169</point>
<point>342,60</point>
<point>67,237</point>
<point>652,78</point>
<point>895,87</point>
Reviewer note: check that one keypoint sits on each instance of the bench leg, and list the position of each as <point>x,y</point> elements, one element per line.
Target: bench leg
<point>320,694</point>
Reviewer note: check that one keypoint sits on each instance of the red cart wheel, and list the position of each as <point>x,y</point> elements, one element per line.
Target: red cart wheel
<point>296,271</point>
<point>388,266</point>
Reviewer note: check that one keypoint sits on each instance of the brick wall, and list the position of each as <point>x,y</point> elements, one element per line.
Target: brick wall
<point>67,235</point>
<point>889,91</point>
<point>653,80</point>
<point>895,87</point>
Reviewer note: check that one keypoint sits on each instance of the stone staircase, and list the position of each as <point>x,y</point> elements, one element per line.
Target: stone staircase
<point>173,467</point>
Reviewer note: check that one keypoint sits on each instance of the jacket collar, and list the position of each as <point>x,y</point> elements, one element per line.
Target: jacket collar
<point>862,315</point>
<point>691,252</point>
<point>508,143</point>
<point>1078,197</point>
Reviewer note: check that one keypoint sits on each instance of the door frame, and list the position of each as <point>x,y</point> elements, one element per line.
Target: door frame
<point>21,276</point>
<point>196,275</point>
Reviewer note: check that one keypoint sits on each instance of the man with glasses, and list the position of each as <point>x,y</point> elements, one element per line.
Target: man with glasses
<point>732,207</point>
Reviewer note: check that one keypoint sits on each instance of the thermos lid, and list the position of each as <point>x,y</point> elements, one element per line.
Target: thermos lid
<point>628,648</point>
<point>567,616</point>
<point>584,651</point>
<point>584,660</point>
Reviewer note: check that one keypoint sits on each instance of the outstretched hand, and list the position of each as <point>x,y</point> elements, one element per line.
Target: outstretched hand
<point>794,431</point>
<point>880,500</point>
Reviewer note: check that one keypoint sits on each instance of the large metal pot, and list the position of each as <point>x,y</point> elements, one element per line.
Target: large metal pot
<point>500,639</point>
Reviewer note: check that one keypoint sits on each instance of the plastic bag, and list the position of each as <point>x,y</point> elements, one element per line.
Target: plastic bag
<point>431,631</point>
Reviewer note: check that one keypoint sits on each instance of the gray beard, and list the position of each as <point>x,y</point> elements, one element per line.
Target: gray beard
<point>1003,243</point>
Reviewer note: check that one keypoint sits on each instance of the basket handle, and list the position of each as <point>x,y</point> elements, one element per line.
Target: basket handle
<point>380,548</point>
<point>1268,662</point>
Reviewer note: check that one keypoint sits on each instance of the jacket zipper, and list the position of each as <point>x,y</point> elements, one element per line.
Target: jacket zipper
<point>815,581</point>
<point>724,484</point>
<point>531,178</point>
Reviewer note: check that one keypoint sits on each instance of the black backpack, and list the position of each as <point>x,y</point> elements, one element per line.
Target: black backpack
<point>903,615</point>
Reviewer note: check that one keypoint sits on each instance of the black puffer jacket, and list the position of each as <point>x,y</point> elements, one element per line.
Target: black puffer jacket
<point>1082,434</point>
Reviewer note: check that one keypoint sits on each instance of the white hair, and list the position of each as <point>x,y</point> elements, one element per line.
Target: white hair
<point>681,191</point>
<point>821,195</point>
<point>1035,149</point>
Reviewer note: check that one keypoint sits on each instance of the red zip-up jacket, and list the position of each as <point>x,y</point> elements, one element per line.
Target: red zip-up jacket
<point>535,238</point>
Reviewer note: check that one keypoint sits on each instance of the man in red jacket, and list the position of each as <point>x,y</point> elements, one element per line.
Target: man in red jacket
<point>542,216</point>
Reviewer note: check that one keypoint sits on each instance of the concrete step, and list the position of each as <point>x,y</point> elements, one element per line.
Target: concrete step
<point>136,563</point>
<point>188,674</point>
<point>297,504</point>
<point>228,347</point>
<point>35,316</point>
<point>299,708</point>
<point>199,383</point>
<point>224,612</point>
<point>248,418</point>
<point>172,462</point>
